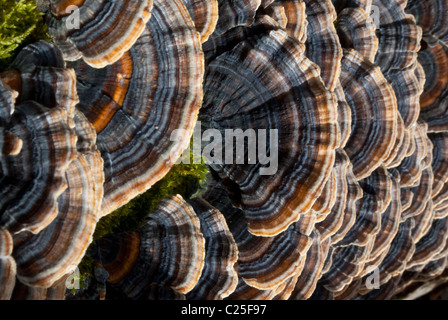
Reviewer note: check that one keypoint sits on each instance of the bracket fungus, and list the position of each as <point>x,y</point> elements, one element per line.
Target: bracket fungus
<point>430,15</point>
<point>370,97</point>
<point>219,277</point>
<point>138,259</point>
<point>356,30</point>
<point>7,265</point>
<point>348,191</point>
<point>322,41</point>
<point>37,172</point>
<point>200,263</point>
<point>58,169</point>
<point>97,31</point>
<point>290,15</point>
<point>434,61</point>
<point>264,263</point>
<point>141,103</point>
<point>233,13</point>
<point>245,89</point>
<point>59,248</point>
<point>204,14</point>
<point>399,40</point>
<point>323,126</point>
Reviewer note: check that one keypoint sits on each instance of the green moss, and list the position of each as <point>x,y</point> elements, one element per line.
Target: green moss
<point>188,180</point>
<point>86,268</point>
<point>20,24</point>
<point>183,179</point>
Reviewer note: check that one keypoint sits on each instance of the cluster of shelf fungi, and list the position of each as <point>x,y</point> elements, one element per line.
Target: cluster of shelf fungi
<point>360,107</point>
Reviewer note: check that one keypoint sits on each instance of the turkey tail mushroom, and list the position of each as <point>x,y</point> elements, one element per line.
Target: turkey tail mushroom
<point>297,24</point>
<point>233,13</point>
<point>411,168</point>
<point>97,31</point>
<point>24,292</point>
<point>7,265</point>
<point>399,41</point>
<point>48,140</point>
<point>356,30</point>
<point>398,34</point>
<point>322,42</point>
<point>144,106</point>
<point>290,15</point>
<point>416,197</point>
<point>377,194</point>
<point>10,144</point>
<point>432,243</point>
<point>434,61</point>
<point>59,248</point>
<point>219,277</point>
<point>324,129</point>
<point>370,97</point>
<point>276,11</point>
<point>439,162</point>
<point>348,191</point>
<point>285,105</point>
<point>390,221</point>
<point>401,250</point>
<point>264,263</point>
<point>58,171</point>
<point>311,273</point>
<point>138,259</point>
<point>204,14</point>
<point>430,15</point>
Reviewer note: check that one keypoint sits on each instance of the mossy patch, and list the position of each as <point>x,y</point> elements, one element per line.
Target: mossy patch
<point>20,24</point>
<point>188,180</point>
<point>183,179</point>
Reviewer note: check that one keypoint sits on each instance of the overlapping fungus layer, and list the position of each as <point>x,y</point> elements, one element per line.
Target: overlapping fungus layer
<point>336,183</point>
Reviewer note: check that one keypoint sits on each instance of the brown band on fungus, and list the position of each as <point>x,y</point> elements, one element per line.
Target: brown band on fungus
<point>61,8</point>
<point>322,42</point>
<point>356,30</point>
<point>143,101</point>
<point>434,61</point>
<point>204,14</point>
<point>97,31</point>
<point>59,248</point>
<point>370,142</point>
<point>233,13</point>
<point>219,277</point>
<point>44,123</point>
<point>168,249</point>
<point>273,98</point>
<point>263,262</point>
<point>277,12</point>
<point>7,265</point>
